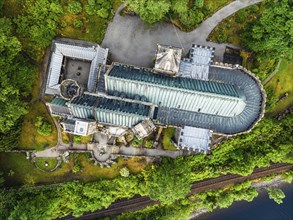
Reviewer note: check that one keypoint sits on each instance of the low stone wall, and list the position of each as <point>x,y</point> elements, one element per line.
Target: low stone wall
<point>59,162</point>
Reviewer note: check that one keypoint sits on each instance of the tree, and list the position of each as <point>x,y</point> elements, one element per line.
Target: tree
<point>74,7</point>
<point>103,13</point>
<point>77,23</point>
<point>199,3</point>
<point>38,24</point>
<point>124,172</point>
<point>191,18</point>
<point>15,79</point>
<point>271,36</point>
<point>43,128</point>
<point>169,181</point>
<point>180,6</point>
<point>276,194</point>
<point>1,178</point>
<point>150,11</point>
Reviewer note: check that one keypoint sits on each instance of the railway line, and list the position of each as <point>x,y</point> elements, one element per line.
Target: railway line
<point>140,202</point>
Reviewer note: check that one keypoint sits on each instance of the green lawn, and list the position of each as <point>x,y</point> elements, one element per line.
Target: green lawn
<point>91,172</point>
<point>29,138</point>
<point>24,171</point>
<point>51,162</point>
<point>282,83</point>
<point>167,135</point>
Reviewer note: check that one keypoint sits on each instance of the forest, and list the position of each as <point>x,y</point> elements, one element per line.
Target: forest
<point>28,29</point>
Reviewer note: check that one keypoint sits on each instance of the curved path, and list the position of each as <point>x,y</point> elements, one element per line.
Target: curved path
<point>133,42</point>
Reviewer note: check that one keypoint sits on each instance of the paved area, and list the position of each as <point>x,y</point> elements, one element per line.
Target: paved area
<point>133,42</point>
<point>101,151</point>
<point>134,151</point>
<point>51,152</point>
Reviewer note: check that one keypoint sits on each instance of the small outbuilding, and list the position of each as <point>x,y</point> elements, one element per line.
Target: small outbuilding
<point>168,59</point>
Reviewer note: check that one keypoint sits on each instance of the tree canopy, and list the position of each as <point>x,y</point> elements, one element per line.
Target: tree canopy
<point>170,181</point>
<point>271,36</point>
<point>15,81</point>
<point>276,194</point>
<point>151,11</point>
<point>38,24</point>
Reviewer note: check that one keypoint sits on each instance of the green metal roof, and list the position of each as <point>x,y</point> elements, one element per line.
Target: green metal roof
<point>147,76</point>
<point>59,101</point>
<point>122,106</point>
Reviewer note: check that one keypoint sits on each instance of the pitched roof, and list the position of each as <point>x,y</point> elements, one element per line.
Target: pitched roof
<point>144,75</point>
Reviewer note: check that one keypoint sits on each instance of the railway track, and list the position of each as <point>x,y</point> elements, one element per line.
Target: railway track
<point>140,202</point>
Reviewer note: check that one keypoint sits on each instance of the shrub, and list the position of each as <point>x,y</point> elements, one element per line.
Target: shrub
<point>74,7</point>
<point>149,144</point>
<point>77,139</point>
<point>136,142</point>
<point>191,18</point>
<point>43,128</point>
<point>91,2</point>
<point>90,9</point>
<point>77,23</point>
<point>76,168</point>
<point>240,16</point>
<point>199,3</point>
<point>221,38</point>
<point>254,9</point>
<point>272,98</point>
<point>276,194</point>
<point>124,172</point>
<point>103,13</point>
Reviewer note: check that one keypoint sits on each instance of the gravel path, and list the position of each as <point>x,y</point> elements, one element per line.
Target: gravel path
<point>133,42</point>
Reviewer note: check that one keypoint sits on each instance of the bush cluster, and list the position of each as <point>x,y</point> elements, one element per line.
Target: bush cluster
<point>43,127</point>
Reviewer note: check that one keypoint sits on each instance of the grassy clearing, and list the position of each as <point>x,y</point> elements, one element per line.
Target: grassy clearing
<point>29,137</point>
<point>90,172</point>
<point>86,139</point>
<point>168,134</point>
<point>52,162</point>
<point>65,138</point>
<point>281,84</point>
<point>24,169</point>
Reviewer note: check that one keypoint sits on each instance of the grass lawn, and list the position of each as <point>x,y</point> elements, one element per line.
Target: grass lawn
<point>65,138</point>
<point>29,138</point>
<point>168,133</point>
<point>90,172</point>
<point>52,162</point>
<point>282,83</point>
<point>86,139</point>
<point>24,169</point>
